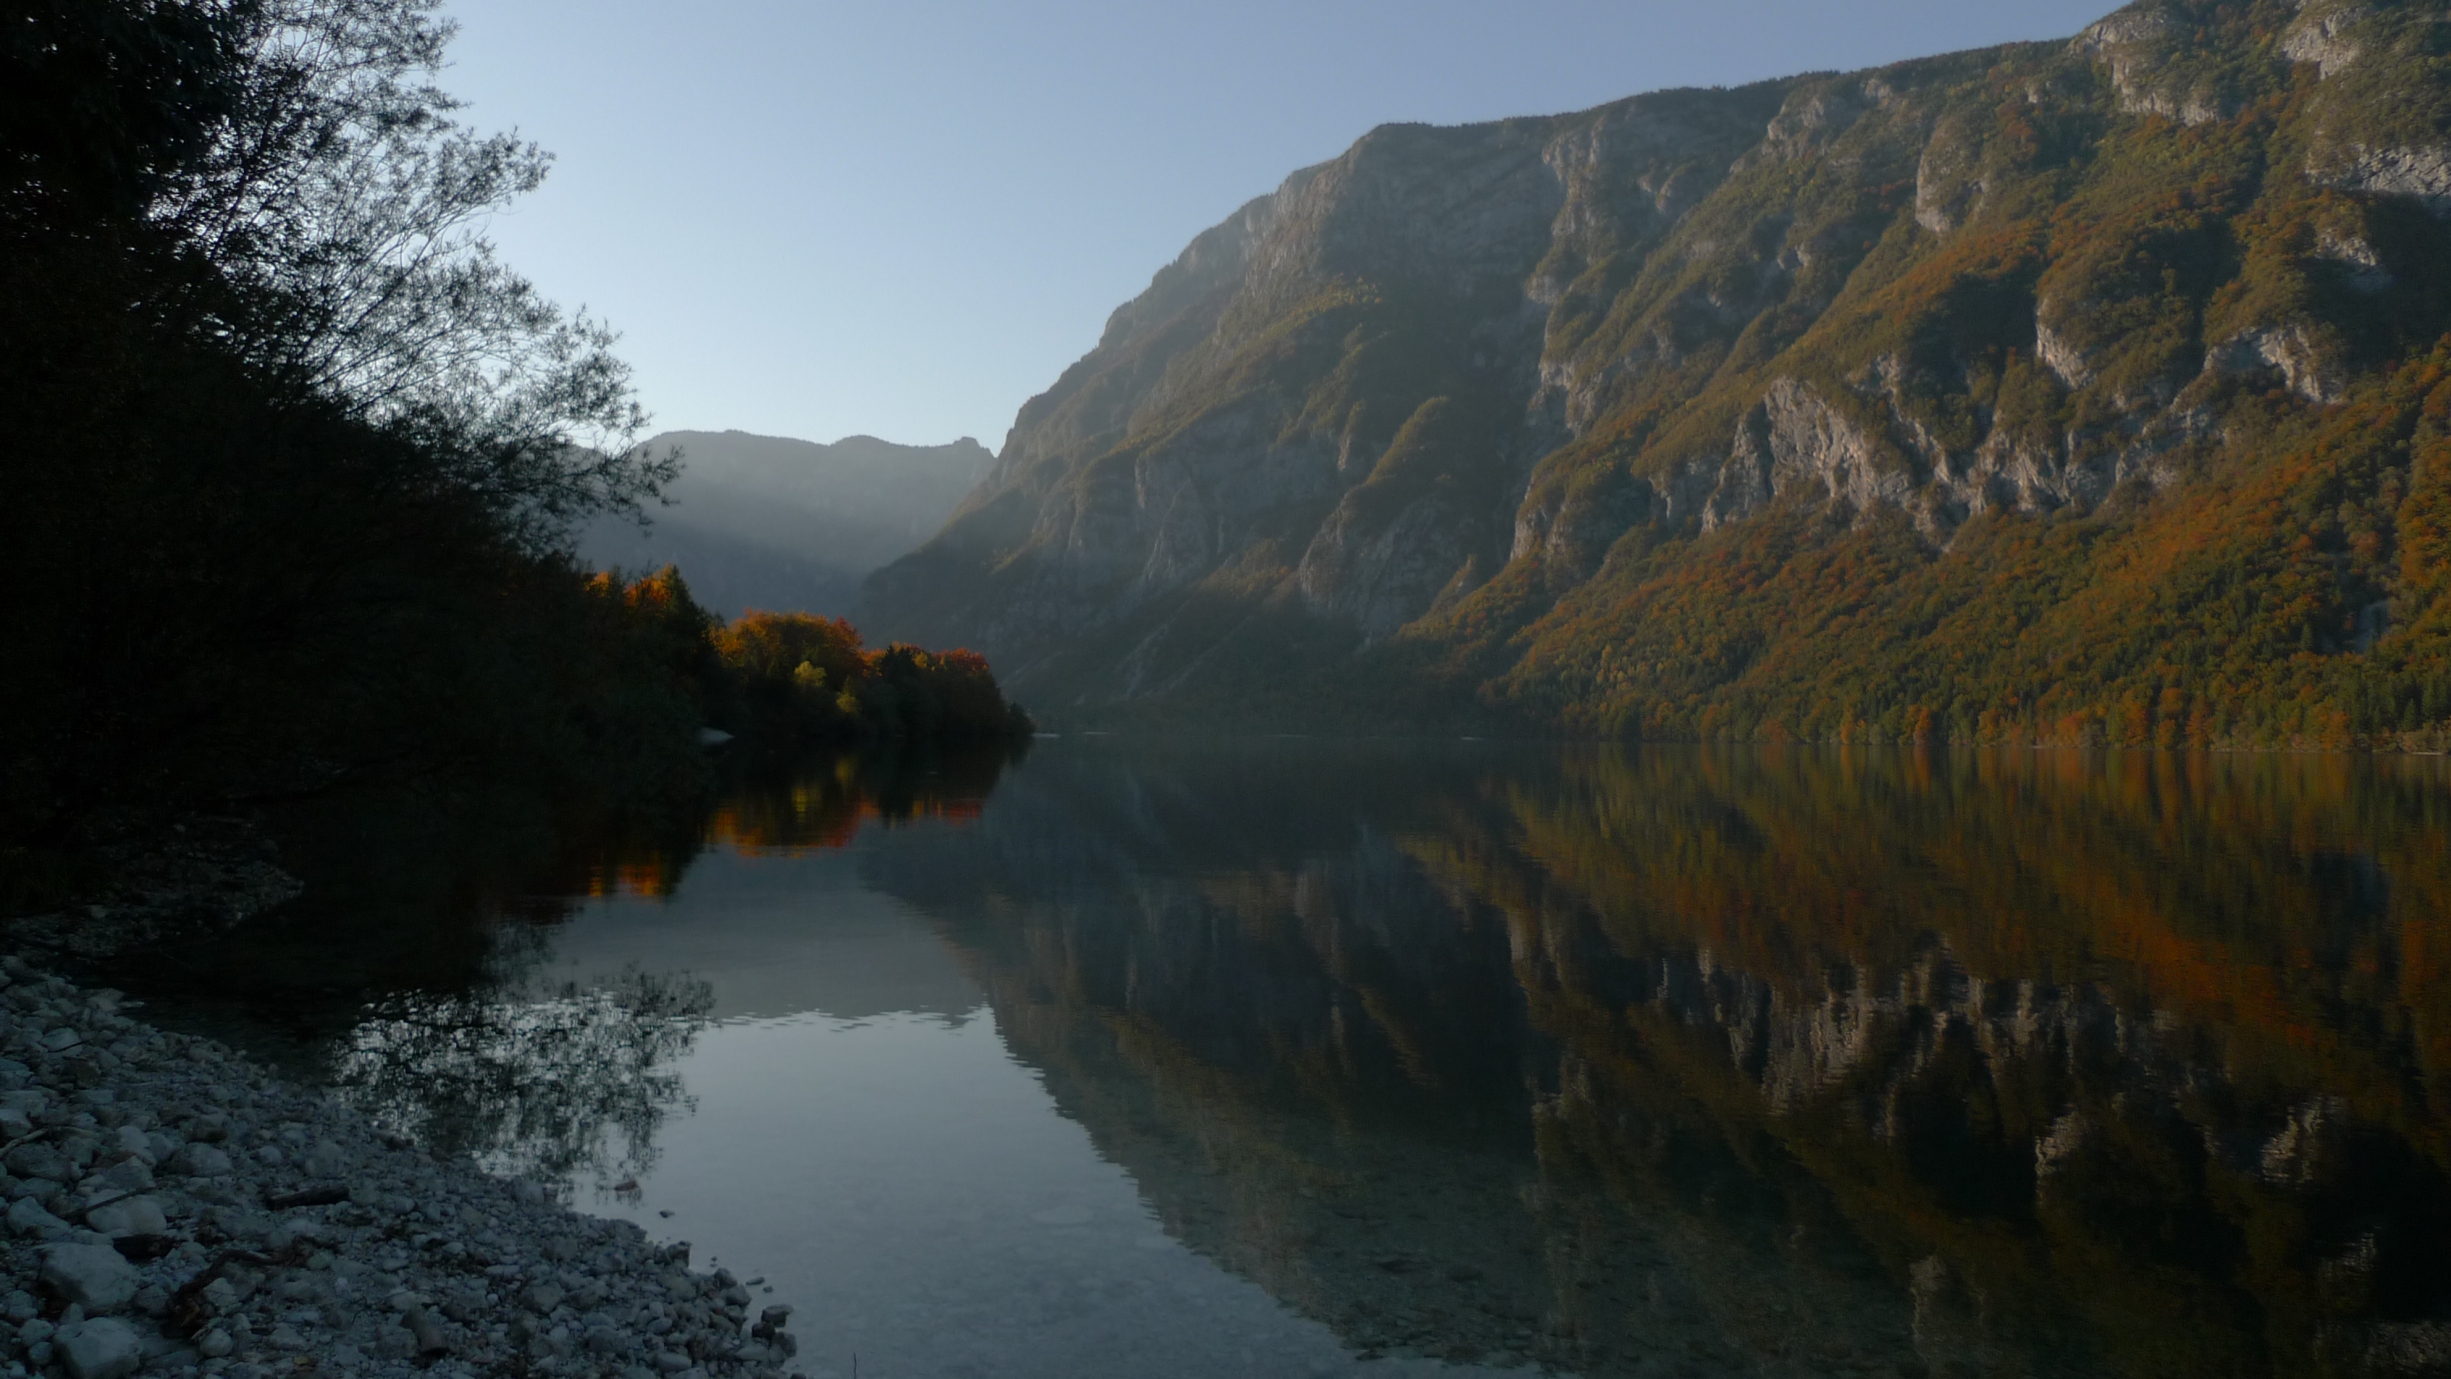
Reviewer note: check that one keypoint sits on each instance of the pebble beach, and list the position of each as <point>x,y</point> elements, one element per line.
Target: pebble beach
<point>173,1209</point>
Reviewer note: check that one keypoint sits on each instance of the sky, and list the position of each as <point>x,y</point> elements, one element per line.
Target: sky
<point>904,218</point>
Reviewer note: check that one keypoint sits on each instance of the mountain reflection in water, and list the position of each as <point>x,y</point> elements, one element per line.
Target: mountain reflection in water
<point>1614,1062</point>
<point>1752,1061</point>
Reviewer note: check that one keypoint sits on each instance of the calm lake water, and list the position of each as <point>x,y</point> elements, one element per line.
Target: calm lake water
<point>1297,1057</point>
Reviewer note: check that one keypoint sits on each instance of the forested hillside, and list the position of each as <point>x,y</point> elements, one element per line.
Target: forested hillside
<point>2086,391</point>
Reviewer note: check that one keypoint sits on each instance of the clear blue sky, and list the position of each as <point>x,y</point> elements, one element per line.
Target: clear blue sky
<point>905,217</point>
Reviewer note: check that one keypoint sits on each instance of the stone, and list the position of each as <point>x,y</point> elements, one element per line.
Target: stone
<point>130,1216</point>
<point>80,1151</point>
<point>37,1161</point>
<point>199,1160</point>
<point>501,1258</point>
<point>429,1337</point>
<point>129,1175</point>
<point>27,1217</point>
<point>105,1348</point>
<point>91,1276</point>
<point>604,1340</point>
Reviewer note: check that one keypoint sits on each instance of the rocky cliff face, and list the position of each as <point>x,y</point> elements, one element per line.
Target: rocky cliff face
<point>1449,389</point>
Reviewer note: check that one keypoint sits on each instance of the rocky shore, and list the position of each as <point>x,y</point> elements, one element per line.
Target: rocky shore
<point>173,1210</point>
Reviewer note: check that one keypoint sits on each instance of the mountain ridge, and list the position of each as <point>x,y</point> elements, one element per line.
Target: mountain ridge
<point>2079,391</point>
<point>781,524</point>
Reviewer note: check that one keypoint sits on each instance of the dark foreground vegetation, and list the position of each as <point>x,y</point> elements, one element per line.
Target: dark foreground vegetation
<point>292,458</point>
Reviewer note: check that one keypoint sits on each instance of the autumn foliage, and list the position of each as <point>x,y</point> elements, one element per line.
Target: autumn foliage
<point>802,677</point>
<point>791,678</point>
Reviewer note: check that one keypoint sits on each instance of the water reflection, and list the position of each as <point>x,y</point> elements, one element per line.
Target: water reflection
<point>1610,1062</point>
<point>1725,1062</point>
<point>418,978</point>
<point>556,1083</point>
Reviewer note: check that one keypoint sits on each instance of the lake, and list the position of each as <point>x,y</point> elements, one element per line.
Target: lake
<point>1295,1057</point>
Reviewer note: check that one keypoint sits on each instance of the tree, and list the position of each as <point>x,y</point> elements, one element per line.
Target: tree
<point>296,159</point>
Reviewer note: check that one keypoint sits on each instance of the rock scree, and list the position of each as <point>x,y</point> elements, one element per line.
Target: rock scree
<point>174,1210</point>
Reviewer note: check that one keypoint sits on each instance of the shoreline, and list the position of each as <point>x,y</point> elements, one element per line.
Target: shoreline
<point>174,1209</point>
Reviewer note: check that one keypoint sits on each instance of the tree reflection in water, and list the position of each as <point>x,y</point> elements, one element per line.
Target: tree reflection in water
<point>554,1083</point>
<point>408,977</point>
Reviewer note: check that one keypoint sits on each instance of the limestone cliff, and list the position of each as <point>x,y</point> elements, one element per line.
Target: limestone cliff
<point>1494,406</point>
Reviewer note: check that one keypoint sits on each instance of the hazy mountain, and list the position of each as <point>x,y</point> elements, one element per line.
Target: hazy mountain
<point>764,522</point>
<point>2071,390</point>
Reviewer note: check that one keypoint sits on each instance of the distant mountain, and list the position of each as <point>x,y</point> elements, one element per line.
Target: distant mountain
<point>2083,391</point>
<point>764,522</point>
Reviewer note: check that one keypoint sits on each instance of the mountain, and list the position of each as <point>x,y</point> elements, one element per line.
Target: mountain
<point>764,522</point>
<point>2087,391</point>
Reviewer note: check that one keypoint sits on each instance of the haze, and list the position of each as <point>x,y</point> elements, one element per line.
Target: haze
<point>819,219</point>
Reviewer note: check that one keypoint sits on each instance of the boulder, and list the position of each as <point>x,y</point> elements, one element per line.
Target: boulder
<point>92,1276</point>
<point>27,1217</point>
<point>37,1161</point>
<point>104,1348</point>
<point>199,1160</point>
<point>129,1216</point>
<point>129,1175</point>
